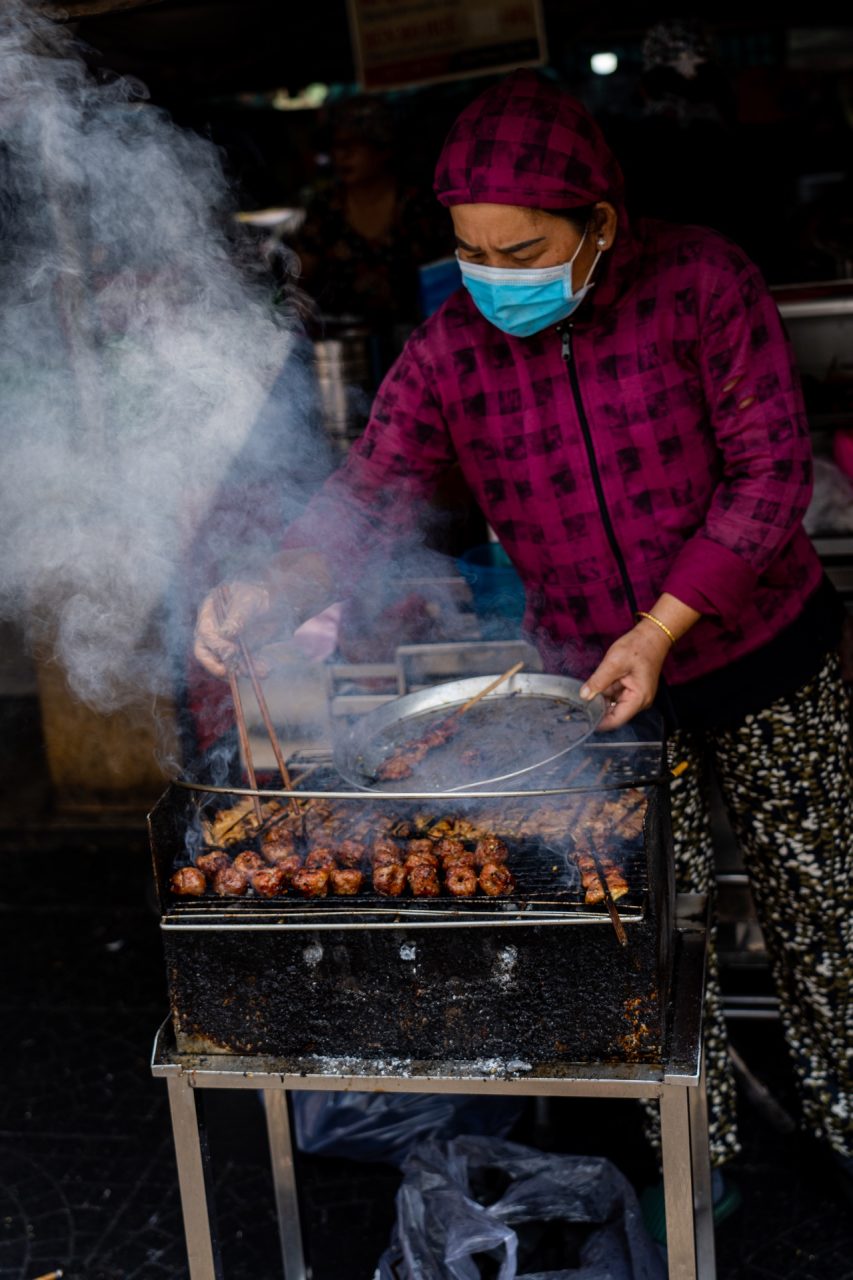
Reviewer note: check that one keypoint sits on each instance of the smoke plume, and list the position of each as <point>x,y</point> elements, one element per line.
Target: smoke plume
<point>157,408</point>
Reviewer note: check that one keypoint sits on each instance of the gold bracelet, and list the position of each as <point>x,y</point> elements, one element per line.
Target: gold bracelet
<point>664,628</point>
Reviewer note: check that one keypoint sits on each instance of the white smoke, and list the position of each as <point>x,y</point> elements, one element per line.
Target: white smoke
<point>141,367</point>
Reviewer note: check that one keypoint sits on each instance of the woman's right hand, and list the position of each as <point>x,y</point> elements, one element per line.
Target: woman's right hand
<point>229,613</point>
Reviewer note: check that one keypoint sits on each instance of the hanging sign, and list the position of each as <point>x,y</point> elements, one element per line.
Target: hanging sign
<point>398,43</point>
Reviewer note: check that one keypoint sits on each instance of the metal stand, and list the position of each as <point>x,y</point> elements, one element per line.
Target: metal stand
<point>678,1084</point>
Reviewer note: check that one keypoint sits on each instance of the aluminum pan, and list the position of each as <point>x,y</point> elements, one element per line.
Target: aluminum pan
<point>529,721</point>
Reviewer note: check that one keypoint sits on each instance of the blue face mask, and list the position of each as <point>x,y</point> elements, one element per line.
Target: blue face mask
<point>523,302</point>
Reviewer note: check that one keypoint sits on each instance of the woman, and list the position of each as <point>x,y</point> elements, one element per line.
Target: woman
<point>623,404</point>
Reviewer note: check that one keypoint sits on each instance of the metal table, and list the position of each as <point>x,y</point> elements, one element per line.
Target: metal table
<point>678,1084</point>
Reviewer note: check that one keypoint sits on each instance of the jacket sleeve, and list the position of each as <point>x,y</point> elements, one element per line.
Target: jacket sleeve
<point>757,415</point>
<point>375,498</point>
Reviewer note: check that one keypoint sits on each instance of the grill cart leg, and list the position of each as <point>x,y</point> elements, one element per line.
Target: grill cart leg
<point>191,1155</point>
<point>284,1178</point>
<point>678,1182</point>
<point>703,1205</point>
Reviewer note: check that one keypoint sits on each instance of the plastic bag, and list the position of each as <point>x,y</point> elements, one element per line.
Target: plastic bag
<point>476,1208</point>
<point>831,508</point>
<point>385,1127</point>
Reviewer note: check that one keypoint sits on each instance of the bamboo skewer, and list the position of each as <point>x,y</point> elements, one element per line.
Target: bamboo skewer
<point>507,675</point>
<point>241,723</point>
<point>613,910</point>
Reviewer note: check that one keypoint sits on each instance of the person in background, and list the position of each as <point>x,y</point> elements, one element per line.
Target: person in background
<point>364,239</point>
<point>623,402</point>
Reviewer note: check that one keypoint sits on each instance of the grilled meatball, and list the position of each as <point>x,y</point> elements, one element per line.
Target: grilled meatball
<point>289,865</point>
<point>423,881</point>
<point>270,883</point>
<point>231,882</point>
<point>277,845</point>
<point>385,853</point>
<point>210,863</point>
<point>419,846</point>
<point>461,881</point>
<point>418,857</point>
<point>249,861</point>
<point>389,879</point>
<point>346,882</point>
<point>463,859</point>
<point>350,854</point>
<point>496,880</point>
<point>490,849</point>
<point>189,882</point>
<point>312,884</point>
<point>319,859</point>
<point>448,848</point>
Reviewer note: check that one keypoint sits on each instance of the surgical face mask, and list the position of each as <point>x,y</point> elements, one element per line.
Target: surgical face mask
<point>522,302</point>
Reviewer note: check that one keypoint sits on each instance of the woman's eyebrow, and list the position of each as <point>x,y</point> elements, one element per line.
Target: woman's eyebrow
<point>512,248</point>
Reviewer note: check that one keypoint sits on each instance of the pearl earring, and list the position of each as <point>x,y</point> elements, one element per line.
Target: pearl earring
<point>602,243</point>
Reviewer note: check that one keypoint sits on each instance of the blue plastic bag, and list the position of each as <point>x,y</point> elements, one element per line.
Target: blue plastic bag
<point>442,1225</point>
<point>385,1127</point>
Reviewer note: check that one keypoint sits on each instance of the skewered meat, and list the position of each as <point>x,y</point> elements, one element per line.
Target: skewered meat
<point>188,882</point>
<point>616,882</point>
<point>346,882</point>
<point>210,863</point>
<point>389,880</point>
<point>409,755</point>
<point>490,849</point>
<point>591,881</point>
<point>395,769</point>
<point>270,883</point>
<point>496,880</point>
<point>249,861</point>
<point>320,858</point>
<point>351,854</point>
<point>423,881</point>
<point>231,882</point>
<point>312,884</point>
<point>461,881</point>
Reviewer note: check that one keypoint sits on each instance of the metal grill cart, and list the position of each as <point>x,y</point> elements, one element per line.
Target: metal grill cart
<point>547,990</point>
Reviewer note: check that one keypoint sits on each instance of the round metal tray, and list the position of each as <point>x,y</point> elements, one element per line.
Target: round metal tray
<point>528,722</point>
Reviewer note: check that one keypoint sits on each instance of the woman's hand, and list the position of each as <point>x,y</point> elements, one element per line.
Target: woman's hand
<point>221,625</point>
<point>629,673</point>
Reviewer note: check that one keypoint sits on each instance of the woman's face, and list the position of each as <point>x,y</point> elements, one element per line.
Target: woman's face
<point>503,235</point>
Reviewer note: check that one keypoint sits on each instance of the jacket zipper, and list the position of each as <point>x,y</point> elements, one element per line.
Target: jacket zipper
<point>568,359</point>
<point>663,700</point>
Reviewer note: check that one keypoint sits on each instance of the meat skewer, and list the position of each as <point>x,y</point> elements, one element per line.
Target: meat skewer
<point>615,918</point>
<point>403,762</point>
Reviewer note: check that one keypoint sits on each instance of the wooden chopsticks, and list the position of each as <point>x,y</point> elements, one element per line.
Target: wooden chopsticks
<point>221,600</point>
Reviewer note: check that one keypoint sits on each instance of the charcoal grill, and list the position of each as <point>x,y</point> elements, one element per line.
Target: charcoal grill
<point>537,976</point>
<point>530,995</point>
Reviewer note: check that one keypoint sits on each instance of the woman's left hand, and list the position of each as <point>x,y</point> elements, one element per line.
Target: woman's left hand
<point>629,673</point>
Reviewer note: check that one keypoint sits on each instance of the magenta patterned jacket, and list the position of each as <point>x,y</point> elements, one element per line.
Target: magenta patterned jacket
<point>697,442</point>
